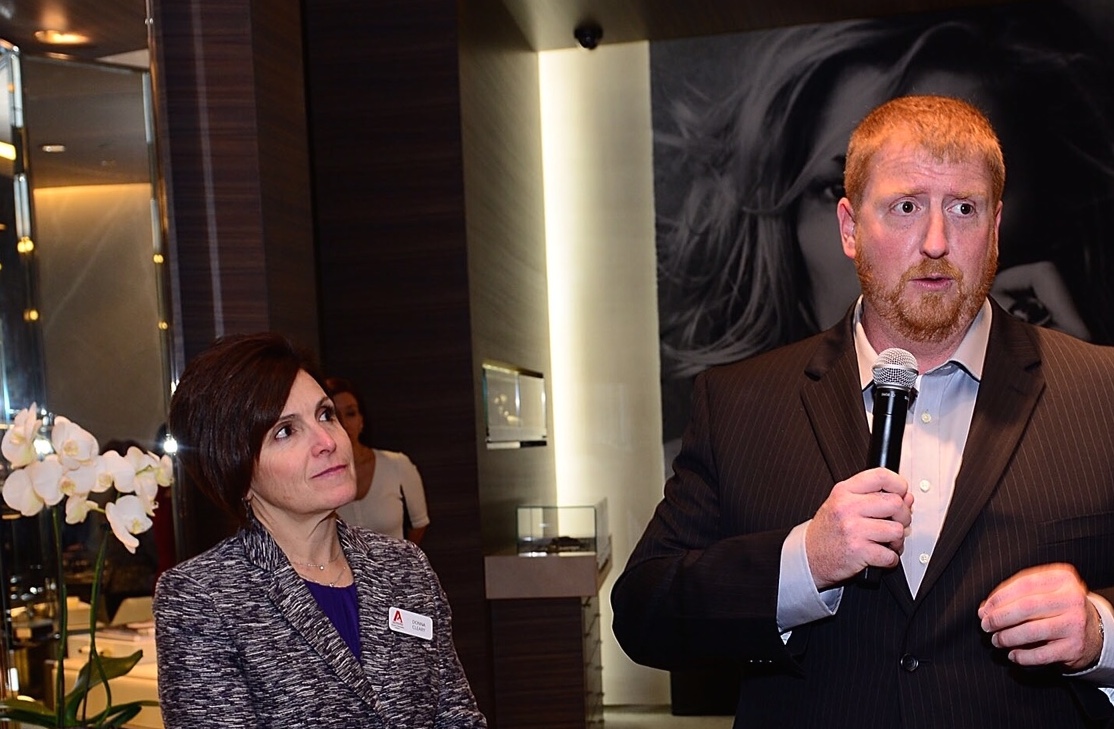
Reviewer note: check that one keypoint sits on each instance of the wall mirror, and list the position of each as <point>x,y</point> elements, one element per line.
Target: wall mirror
<point>83,322</point>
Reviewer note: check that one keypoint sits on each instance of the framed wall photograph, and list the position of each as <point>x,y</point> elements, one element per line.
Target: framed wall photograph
<point>514,406</point>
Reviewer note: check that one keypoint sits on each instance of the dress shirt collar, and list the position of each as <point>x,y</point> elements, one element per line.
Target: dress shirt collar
<point>970,355</point>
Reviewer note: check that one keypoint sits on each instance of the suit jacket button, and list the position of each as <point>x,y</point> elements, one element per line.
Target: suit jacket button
<point>909,663</point>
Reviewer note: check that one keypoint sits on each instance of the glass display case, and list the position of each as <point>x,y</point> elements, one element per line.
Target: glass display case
<point>514,406</point>
<point>550,530</point>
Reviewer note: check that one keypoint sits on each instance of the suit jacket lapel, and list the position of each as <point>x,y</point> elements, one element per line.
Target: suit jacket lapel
<point>391,669</point>
<point>832,397</point>
<point>1011,386</point>
<point>374,590</point>
<point>292,598</point>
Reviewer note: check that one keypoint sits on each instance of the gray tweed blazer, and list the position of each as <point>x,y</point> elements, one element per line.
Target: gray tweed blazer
<point>242,643</point>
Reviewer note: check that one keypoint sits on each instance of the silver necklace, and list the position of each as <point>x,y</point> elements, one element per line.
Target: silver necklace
<point>318,566</point>
<point>336,579</point>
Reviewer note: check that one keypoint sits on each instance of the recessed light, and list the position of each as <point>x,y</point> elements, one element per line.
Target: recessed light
<point>60,37</point>
<point>53,148</point>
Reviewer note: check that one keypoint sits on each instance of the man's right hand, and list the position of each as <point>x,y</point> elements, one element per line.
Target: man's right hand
<point>861,524</point>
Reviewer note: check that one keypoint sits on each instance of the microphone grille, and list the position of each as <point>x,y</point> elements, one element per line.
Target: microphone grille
<point>895,368</point>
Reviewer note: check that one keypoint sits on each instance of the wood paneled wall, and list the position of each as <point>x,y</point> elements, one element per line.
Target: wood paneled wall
<point>430,230</point>
<point>233,150</point>
<point>388,184</point>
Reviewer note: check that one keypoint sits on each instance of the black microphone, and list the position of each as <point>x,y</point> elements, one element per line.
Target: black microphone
<point>895,372</point>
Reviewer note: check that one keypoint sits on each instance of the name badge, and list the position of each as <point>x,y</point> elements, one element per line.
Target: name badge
<point>404,621</point>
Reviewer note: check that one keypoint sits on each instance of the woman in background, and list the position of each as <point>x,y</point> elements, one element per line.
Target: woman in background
<point>389,489</point>
<point>298,620</point>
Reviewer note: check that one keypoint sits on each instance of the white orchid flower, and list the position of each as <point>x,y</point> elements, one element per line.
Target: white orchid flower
<point>19,494</point>
<point>79,481</point>
<point>164,474</point>
<point>19,441</point>
<point>46,476</point>
<point>29,489</point>
<point>78,507</point>
<point>75,470</point>
<point>72,472</point>
<point>146,473</point>
<point>140,459</point>
<point>146,487</point>
<point>74,445</point>
<point>127,517</point>
<point>114,470</point>
<point>149,501</point>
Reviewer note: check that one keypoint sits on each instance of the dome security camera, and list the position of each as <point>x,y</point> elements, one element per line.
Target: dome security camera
<point>588,35</point>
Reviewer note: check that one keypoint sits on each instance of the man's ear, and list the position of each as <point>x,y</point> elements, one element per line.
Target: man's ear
<point>998,225</point>
<point>846,215</point>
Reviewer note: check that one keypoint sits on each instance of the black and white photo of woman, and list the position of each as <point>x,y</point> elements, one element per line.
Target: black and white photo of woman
<point>749,133</point>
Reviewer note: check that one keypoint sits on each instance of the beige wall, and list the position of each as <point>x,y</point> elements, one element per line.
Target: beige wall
<point>99,308</point>
<point>596,146</point>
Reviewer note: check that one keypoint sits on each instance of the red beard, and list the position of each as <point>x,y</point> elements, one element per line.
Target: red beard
<point>931,317</point>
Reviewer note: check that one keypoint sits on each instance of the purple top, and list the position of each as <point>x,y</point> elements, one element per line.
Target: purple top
<point>339,605</point>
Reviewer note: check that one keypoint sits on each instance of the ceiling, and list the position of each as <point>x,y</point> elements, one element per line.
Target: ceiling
<point>93,118</point>
<point>549,24</point>
<point>118,26</point>
<point>113,26</point>
<point>95,110</point>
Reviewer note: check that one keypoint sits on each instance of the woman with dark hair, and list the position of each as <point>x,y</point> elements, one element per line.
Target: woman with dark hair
<point>390,498</point>
<point>299,619</point>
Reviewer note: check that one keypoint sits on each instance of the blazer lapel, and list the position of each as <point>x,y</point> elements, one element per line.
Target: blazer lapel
<point>833,398</point>
<point>379,663</point>
<point>372,588</point>
<point>292,598</point>
<point>1011,386</point>
<point>393,672</point>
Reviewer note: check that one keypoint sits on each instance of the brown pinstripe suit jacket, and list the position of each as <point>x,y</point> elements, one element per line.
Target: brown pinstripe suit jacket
<point>768,439</point>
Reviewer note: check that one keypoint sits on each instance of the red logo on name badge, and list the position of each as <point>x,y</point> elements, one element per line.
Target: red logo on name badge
<point>397,618</point>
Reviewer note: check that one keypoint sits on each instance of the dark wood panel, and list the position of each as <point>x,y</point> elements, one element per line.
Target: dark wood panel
<point>284,168</point>
<point>543,671</point>
<point>205,95</point>
<point>384,100</point>
<point>193,132</point>
<point>225,174</point>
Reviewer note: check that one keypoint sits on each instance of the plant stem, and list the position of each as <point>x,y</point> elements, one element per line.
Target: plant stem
<point>94,656</point>
<point>60,677</point>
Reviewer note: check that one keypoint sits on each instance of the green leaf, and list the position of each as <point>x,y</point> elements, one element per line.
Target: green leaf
<point>125,713</point>
<point>27,711</point>
<point>108,668</point>
<point>35,713</point>
<point>101,669</point>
